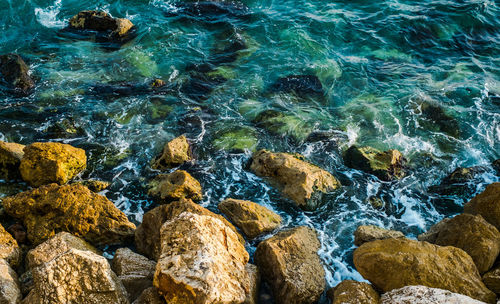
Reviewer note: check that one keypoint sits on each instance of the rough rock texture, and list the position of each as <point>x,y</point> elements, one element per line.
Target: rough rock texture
<point>10,292</point>
<point>150,296</point>
<point>134,270</point>
<point>202,261</point>
<point>252,296</point>
<point>253,219</point>
<point>486,204</point>
<point>424,295</point>
<point>369,233</point>
<point>289,262</point>
<point>101,22</point>
<point>165,188</point>
<point>147,235</point>
<point>50,162</point>
<point>299,180</point>
<point>492,279</point>
<point>15,72</point>
<point>387,165</point>
<point>496,165</point>
<point>10,159</point>
<point>9,249</point>
<point>95,185</point>
<point>460,182</point>
<point>72,208</point>
<point>394,263</point>
<point>352,292</point>
<point>473,234</point>
<point>175,153</point>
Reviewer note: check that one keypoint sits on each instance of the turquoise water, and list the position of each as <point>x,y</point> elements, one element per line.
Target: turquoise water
<point>378,63</point>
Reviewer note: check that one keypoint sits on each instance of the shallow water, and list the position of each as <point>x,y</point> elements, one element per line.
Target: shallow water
<point>377,61</point>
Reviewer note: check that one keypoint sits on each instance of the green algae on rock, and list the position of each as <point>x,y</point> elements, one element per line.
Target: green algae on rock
<point>236,139</point>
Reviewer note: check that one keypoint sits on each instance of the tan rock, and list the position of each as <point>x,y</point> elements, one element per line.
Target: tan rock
<point>492,279</point>
<point>486,204</point>
<point>289,262</point>
<point>369,233</point>
<point>50,162</point>
<point>72,208</point>
<point>386,165</point>
<point>424,295</point>
<point>352,292</point>
<point>174,186</point>
<point>394,263</point>
<point>10,293</point>
<point>253,219</point>
<point>254,283</point>
<point>202,261</point>
<point>10,159</point>
<point>175,153</point>
<point>9,249</point>
<point>150,296</point>
<point>298,180</point>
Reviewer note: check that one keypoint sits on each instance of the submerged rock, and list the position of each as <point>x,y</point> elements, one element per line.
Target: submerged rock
<point>424,295</point>
<point>9,249</point>
<point>289,262</point>
<point>394,263</point>
<point>283,124</point>
<point>174,186</point>
<point>387,165</point>
<point>299,84</point>
<point>15,72</point>
<point>352,292</point>
<point>297,179</point>
<point>10,292</point>
<point>460,182</point>
<point>486,204</point>
<point>435,117</point>
<point>175,153</point>
<point>72,208</point>
<point>10,159</point>
<point>236,139</point>
<point>369,233</point>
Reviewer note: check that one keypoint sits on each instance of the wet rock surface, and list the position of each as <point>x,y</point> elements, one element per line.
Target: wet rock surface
<point>175,153</point>
<point>386,165</point>
<point>179,184</point>
<point>352,292</point>
<point>15,73</point>
<point>10,159</point>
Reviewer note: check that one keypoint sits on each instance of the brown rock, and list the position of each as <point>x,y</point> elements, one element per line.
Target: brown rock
<point>387,165</point>
<point>72,208</point>
<point>95,185</point>
<point>369,233</point>
<point>253,219</point>
<point>10,159</point>
<point>394,263</point>
<point>492,279</point>
<point>50,162</point>
<point>15,73</point>
<point>424,295</point>
<point>289,262</point>
<point>254,283</point>
<point>496,165</point>
<point>299,180</point>
<point>9,249</point>
<point>486,204</point>
<point>101,22</point>
<point>150,296</point>
<point>174,186</point>
<point>10,293</point>
<point>175,153</point>
<point>352,292</point>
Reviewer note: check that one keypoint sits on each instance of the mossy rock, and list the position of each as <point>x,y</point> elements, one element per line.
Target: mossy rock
<point>283,124</point>
<point>237,139</point>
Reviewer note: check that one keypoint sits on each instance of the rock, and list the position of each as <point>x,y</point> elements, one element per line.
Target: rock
<point>99,21</point>
<point>15,72</point>
<point>72,208</point>
<point>492,279</point>
<point>300,84</point>
<point>236,139</point>
<point>95,185</point>
<point>175,153</point>
<point>283,124</point>
<point>387,165</point>
<point>253,219</point>
<point>460,182</point>
<point>289,262</point>
<point>18,232</point>
<point>473,234</point>
<point>434,117</point>
<point>297,179</point>
<point>352,292</point>
<point>50,162</point>
<point>253,272</point>
<point>9,249</point>
<point>10,159</point>
<point>134,270</point>
<point>496,165</point>
<point>486,204</point>
<point>202,261</point>
<point>369,233</point>
<point>394,263</point>
<point>147,235</point>
<point>170,187</point>
<point>150,296</point>
<point>10,292</point>
<point>424,295</point>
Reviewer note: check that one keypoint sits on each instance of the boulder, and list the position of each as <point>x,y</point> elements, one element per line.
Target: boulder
<point>165,188</point>
<point>99,21</point>
<point>202,261</point>
<point>460,182</point>
<point>253,219</point>
<point>252,297</point>
<point>472,233</point>
<point>290,264</point>
<point>492,279</point>
<point>369,233</point>
<point>134,270</point>
<point>394,263</point>
<point>10,159</point>
<point>297,179</point>
<point>424,295</point>
<point>15,73</point>
<point>95,185</point>
<point>10,292</point>
<point>386,165</point>
<point>9,249</point>
<point>352,292</point>
<point>50,162</point>
<point>72,208</point>
<point>147,235</point>
<point>150,296</point>
<point>175,153</point>
<point>486,204</point>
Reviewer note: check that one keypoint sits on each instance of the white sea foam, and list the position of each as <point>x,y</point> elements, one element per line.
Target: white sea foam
<point>48,16</point>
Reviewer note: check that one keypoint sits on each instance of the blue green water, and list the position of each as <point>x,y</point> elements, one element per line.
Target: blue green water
<point>377,62</point>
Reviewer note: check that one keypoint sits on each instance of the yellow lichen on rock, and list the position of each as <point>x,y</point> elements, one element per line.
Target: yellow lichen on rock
<point>9,249</point>
<point>174,186</point>
<point>175,153</point>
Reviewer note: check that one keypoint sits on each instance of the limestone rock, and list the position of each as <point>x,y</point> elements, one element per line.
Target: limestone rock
<point>175,153</point>
<point>424,295</point>
<point>147,235</point>
<point>486,204</point>
<point>352,292</point>
<point>254,283</point>
<point>9,249</point>
<point>297,179</point>
<point>50,162</point>
<point>492,279</point>
<point>72,208</point>
<point>387,165</point>
<point>253,219</point>
<point>10,293</point>
<point>101,22</point>
<point>394,263</point>
<point>174,186</point>
<point>150,296</point>
<point>289,262</point>
<point>202,261</point>
<point>369,233</point>
<point>15,72</point>
<point>10,159</point>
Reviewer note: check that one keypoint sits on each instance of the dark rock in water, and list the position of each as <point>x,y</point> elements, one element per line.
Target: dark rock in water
<point>386,165</point>
<point>300,84</point>
<point>460,182</point>
<point>435,117</point>
<point>14,72</point>
<point>496,165</point>
<point>229,54</point>
<point>66,128</point>
<point>200,86</point>
<point>211,9</point>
